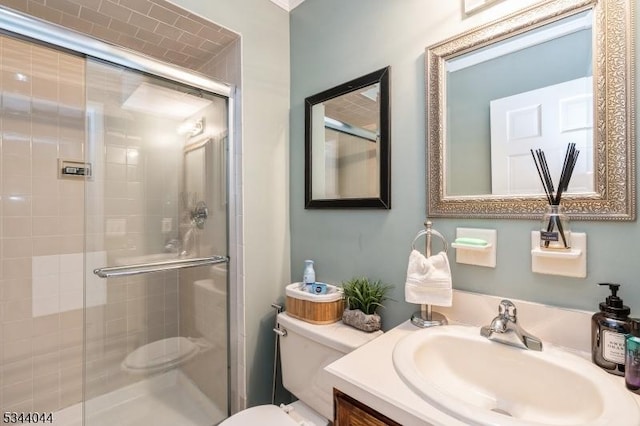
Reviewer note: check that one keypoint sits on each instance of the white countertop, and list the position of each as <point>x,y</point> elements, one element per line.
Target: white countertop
<point>368,375</point>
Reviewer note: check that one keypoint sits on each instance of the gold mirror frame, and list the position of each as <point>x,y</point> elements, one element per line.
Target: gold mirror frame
<point>614,198</point>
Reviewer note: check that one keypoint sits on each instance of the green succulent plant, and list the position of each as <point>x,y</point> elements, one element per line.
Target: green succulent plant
<point>364,294</point>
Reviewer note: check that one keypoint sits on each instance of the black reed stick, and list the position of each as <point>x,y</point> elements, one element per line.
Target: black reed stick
<point>535,161</point>
<point>545,171</point>
<point>540,161</point>
<point>571,158</point>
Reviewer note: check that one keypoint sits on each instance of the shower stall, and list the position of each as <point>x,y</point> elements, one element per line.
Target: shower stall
<point>115,234</point>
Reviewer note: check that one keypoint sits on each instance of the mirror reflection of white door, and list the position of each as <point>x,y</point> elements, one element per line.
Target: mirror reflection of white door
<point>548,118</point>
<point>331,168</point>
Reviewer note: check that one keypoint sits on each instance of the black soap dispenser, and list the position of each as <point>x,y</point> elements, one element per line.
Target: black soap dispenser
<point>608,332</point>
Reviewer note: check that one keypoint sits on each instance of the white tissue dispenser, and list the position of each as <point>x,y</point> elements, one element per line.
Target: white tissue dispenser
<point>324,308</point>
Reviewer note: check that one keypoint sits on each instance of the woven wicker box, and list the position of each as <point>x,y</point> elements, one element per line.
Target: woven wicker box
<point>316,309</point>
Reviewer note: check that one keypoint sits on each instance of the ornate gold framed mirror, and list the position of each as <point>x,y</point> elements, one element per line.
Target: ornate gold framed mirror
<point>558,72</point>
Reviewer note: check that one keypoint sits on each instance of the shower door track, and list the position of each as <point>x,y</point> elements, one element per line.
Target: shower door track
<point>167,265</point>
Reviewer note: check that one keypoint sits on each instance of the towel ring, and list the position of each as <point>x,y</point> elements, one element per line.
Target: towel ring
<point>425,317</point>
<point>432,232</point>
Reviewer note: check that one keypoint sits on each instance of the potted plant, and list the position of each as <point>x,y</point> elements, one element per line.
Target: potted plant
<point>363,298</point>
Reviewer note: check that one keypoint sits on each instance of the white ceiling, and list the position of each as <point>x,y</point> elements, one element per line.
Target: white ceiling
<point>287,5</point>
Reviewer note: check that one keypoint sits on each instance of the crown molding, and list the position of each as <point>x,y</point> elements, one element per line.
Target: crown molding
<point>287,5</point>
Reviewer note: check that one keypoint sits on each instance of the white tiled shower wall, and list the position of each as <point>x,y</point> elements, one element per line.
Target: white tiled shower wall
<point>58,282</point>
<point>42,223</point>
<point>227,67</point>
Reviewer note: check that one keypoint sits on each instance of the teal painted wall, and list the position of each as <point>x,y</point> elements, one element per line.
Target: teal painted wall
<point>333,41</point>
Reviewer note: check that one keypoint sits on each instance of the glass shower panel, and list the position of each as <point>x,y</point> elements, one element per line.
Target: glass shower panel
<point>156,342</point>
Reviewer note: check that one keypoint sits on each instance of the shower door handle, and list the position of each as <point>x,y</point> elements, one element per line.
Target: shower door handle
<point>167,265</point>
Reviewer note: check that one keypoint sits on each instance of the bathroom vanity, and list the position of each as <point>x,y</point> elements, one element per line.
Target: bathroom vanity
<point>368,389</point>
<point>351,412</point>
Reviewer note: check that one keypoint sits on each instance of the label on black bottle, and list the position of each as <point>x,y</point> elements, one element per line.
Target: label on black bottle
<point>613,346</point>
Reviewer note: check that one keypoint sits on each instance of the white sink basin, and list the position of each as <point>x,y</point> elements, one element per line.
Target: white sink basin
<point>488,383</point>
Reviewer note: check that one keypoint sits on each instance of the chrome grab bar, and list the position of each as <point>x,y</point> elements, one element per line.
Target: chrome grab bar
<point>166,265</point>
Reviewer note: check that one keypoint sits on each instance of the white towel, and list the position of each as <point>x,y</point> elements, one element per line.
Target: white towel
<point>428,280</point>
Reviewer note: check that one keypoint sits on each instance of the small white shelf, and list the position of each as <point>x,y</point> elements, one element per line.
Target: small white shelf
<point>567,263</point>
<point>475,254</point>
<point>558,254</point>
<point>471,247</point>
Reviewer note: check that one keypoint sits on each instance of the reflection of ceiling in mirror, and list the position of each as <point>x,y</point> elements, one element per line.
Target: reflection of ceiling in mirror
<point>355,108</point>
<point>547,33</point>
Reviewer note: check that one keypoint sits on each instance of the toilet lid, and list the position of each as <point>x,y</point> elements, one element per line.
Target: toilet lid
<point>263,415</point>
<point>160,353</point>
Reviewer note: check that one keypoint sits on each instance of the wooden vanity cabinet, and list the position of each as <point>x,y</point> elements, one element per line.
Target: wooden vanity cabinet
<point>350,412</point>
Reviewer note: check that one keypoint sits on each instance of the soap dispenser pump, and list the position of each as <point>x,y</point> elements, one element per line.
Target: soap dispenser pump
<point>608,332</point>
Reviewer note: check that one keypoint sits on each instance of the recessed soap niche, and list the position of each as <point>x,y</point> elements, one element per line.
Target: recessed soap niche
<point>72,169</point>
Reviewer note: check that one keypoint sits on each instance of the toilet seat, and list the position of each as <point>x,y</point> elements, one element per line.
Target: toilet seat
<point>263,415</point>
<point>160,355</point>
<point>295,414</point>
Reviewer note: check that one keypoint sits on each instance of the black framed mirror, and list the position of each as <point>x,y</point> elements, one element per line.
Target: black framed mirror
<point>347,145</point>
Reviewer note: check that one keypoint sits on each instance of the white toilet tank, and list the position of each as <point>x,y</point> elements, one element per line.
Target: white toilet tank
<point>307,349</point>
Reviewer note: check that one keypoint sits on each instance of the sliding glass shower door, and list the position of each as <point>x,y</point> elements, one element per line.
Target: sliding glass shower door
<point>156,322</point>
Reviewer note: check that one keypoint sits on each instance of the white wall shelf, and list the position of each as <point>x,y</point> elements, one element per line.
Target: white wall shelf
<point>476,254</point>
<point>558,254</point>
<point>567,263</point>
<point>471,247</point>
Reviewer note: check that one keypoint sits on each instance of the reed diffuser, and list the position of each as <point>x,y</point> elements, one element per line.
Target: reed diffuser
<point>555,232</point>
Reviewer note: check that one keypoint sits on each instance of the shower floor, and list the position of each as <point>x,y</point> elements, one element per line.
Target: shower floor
<point>168,399</point>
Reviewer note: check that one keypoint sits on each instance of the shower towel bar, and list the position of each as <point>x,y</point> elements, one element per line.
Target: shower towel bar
<point>167,265</point>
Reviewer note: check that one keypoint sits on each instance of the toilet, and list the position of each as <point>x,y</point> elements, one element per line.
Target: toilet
<point>162,355</point>
<point>209,299</point>
<point>304,352</point>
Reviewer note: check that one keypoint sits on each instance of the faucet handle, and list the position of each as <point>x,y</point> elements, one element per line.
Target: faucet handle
<point>508,309</point>
<point>532,342</point>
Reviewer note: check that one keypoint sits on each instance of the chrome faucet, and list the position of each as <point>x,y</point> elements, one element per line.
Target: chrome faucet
<point>186,245</point>
<point>505,329</point>
<point>173,246</point>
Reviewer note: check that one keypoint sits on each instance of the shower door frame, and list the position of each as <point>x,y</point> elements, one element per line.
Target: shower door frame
<point>37,30</point>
